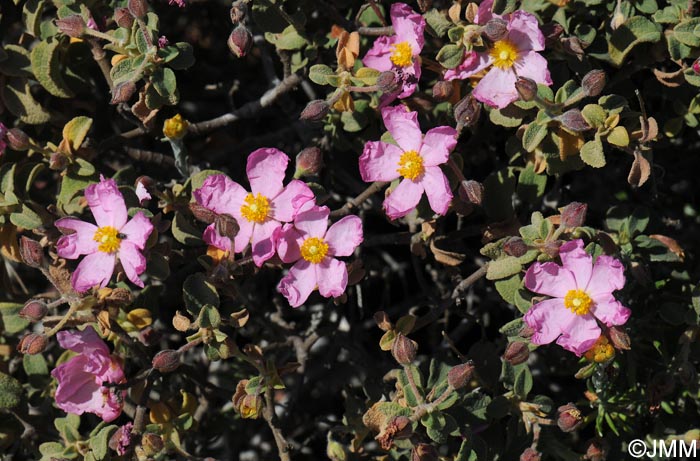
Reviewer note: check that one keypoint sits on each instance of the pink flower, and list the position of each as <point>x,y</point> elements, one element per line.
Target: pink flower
<point>515,55</point>
<point>581,296</point>
<point>112,239</point>
<point>163,41</point>
<point>80,379</point>
<point>314,246</point>
<point>400,52</point>
<point>416,159</point>
<point>259,213</point>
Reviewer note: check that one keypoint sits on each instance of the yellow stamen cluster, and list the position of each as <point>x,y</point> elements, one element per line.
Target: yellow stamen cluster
<point>504,54</point>
<point>402,54</point>
<point>578,302</point>
<point>255,208</point>
<point>175,127</point>
<point>602,351</point>
<point>314,249</point>
<point>108,238</point>
<point>411,165</point>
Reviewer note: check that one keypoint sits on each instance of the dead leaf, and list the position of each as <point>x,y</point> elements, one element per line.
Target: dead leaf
<point>640,170</point>
<point>671,244</point>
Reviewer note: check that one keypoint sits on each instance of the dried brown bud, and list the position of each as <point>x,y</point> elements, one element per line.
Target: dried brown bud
<point>526,88</point>
<point>495,29</point>
<point>239,11</point>
<point>119,297</point>
<point>315,110</point>
<point>309,162</point>
<point>17,139</point>
<point>32,343</point>
<point>201,213</point>
<point>473,190</point>
<point>152,444</point>
<point>516,353</point>
<point>382,320</point>
<point>404,349</point>
<point>400,426</point>
<point>250,406</point>
<point>593,82</point>
<point>138,8</point>
<point>568,417</point>
<point>424,452</point>
<point>573,120</point>
<point>467,111</point>
<point>597,450</point>
<point>166,361</point>
<point>73,26</point>
<point>58,161</point>
<point>515,246</point>
<point>240,41</point>
<point>619,338</point>
<point>34,310</point>
<point>180,322</point>
<point>123,92</point>
<point>573,215</point>
<point>459,375</point>
<point>123,18</point>
<point>226,226</point>
<point>442,90</point>
<point>388,81</point>
<point>31,251</point>
<point>530,454</point>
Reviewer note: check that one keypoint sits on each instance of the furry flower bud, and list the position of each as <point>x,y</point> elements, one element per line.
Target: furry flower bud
<point>123,92</point>
<point>526,88</point>
<point>573,215</point>
<point>442,90</point>
<point>593,82</point>
<point>34,310</point>
<point>568,417</point>
<point>516,353</point>
<point>315,110</point>
<point>138,8</point>
<point>123,18</point>
<point>240,41</point>
<point>32,344</point>
<point>459,375</point>
<point>309,162</point>
<point>166,361</point>
<point>467,111</point>
<point>515,246</point>
<point>388,82</point>
<point>530,454</point>
<point>495,29</point>
<point>404,349</point>
<point>17,139</point>
<point>31,251</point>
<point>73,25</point>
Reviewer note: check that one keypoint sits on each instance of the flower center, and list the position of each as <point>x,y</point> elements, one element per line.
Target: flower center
<point>255,208</point>
<point>578,301</point>
<point>504,54</point>
<point>411,165</point>
<point>314,249</point>
<point>402,54</point>
<point>108,238</point>
<point>601,351</point>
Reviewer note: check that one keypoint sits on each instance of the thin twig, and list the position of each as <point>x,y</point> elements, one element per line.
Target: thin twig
<point>98,53</point>
<point>271,418</point>
<point>357,201</point>
<point>375,31</point>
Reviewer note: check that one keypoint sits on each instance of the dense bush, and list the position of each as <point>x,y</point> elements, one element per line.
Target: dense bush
<point>486,248</point>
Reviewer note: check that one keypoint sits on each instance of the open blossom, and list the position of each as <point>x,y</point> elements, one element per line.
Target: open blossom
<point>582,295</point>
<point>513,56</point>
<point>416,159</point>
<point>313,247</point>
<point>81,379</point>
<point>400,52</point>
<point>259,213</point>
<point>113,238</point>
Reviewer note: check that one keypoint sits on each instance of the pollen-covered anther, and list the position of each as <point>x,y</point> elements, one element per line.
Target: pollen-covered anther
<point>314,249</point>
<point>411,165</point>
<point>255,208</point>
<point>578,302</point>
<point>401,54</point>
<point>504,54</point>
<point>109,239</point>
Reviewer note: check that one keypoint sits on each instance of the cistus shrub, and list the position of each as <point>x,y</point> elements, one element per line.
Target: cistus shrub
<point>349,230</point>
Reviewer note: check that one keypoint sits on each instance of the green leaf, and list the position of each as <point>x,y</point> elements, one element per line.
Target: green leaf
<point>318,74</point>
<point>450,55</point>
<point>165,84</point>
<point>531,186</point>
<point>618,137</point>
<point>365,76</point>
<point>75,132</point>
<point>198,292</point>
<point>411,399</point>
<point>10,392</point>
<point>594,115</point>
<point>179,56</point>
<point>523,382</point>
<point>184,231</point>
<point>10,321</point>
<point>99,444</point>
<point>68,427</point>
<point>209,317</point>
<point>288,40</point>
<point>46,65</point>
<point>17,62</point>
<point>592,153</point>
<point>127,70</point>
<point>512,328</point>
<point>503,6</point>
<point>634,31</point>
<point>684,32</point>
<point>31,15</point>
<point>26,218</point>
<point>508,287</point>
<point>502,268</point>
<point>534,134</point>
<point>18,99</point>
<point>437,21</point>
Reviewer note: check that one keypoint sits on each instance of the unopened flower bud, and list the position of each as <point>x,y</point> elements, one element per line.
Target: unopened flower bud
<point>619,338</point>
<point>239,11</point>
<point>459,375</point>
<point>516,353</point>
<point>696,66</point>
<point>73,25</point>
<point>424,452</point>
<point>58,161</point>
<point>573,215</point>
<point>32,343</point>
<point>442,90</point>
<point>152,444</point>
<point>515,246</point>
<point>551,249</point>
<point>568,417</point>
<point>388,81</point>
<point>34,310</point>
<point>593,82</point>
<point>309,162</point>
<point>573,120</point>
<point>315,110</point>
<point>530,454</point>
<point>404,349</point>
<point>596,450</point>
<point>166,361</point>
<point>122,92</point>
<point>123,18</point>
<point>31,251</point>
<point>226,226</point>
<point>138,8</point>
<point>17,139</point>
<point>526,88</point>
<point>473,190</point>
<point>201,213</point>
<point>495,29</point>
<point>181,322</point>
<point>467,111</point>
<point>250,406</point>
<point>175,127</point>
<point>240,41</point>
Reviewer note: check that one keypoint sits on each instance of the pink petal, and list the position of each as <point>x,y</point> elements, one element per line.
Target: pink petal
<point>473,63</point>
<point>264,241</point>
<point>409,77</point>
<point>265,170</point>
<point>79,341</point>
<point>287,203</point>
<point>111,404</point>
<point>497,88</point>
<point>483,13</point>
<point>524,31</point>
<point>298,284</point>
<point>331,277</point>
<point>142,193</point>
<point>245,232</point>
<point>312,221</point>
<point>576,260</point>
<point>133,262</point>
<point>379,56</point>
<point>437,145</point>
<point>549,279</point>
<point>437,188</point>
<point>138,230</point>
<point>532,65</point>
<point>344,236</point>
<point>221,195</point>
<point>403,199</point>
<point>106,203</point>
<point>408,26</point>
<point>608,275</point>
<point>403,127</point>
<point>549,319</point>
<point>580,335</point>
<point>95,269</point>
<point>379,161</point>
<point>212,237</point>
<point>609,310</point>
<point>289,243</point>
<point>81,242</point>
